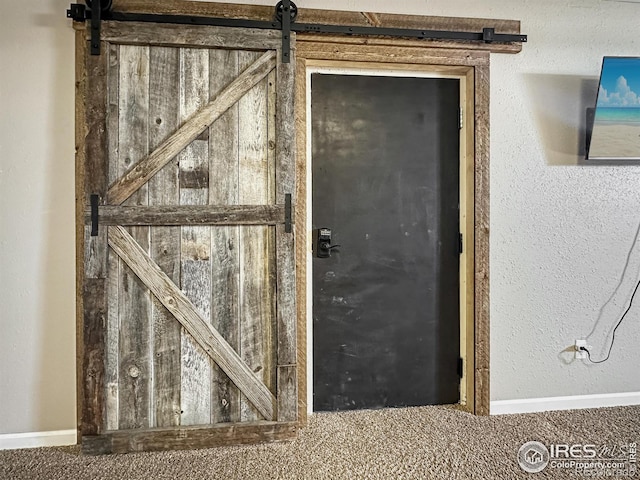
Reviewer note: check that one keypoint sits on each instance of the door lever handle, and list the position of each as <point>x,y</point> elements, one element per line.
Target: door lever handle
<point>322,243</point>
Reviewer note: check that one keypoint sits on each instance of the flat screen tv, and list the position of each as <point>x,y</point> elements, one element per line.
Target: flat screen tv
<point>616,124</point>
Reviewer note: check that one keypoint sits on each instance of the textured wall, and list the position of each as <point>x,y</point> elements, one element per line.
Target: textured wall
<point>561,231</point>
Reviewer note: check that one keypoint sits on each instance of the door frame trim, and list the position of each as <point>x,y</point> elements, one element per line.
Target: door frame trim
<point>474,195</point>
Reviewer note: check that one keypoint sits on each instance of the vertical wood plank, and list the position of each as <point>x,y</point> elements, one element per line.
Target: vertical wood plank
<point>469,252</point>
<point>113,264</point>
<point>95,253</point>
<point>94,314</point>
<point>195,241</point>
<point>134,298</point>
<point>164,91</point>
<point>112,363</point>
<point>482,338</point>
<point>256,277</point>
<point>287,393</point>
<point>223,190</point>
<point>271,355</point>
<point>94,292</point>
<point>80,137</point>
<point>300,230</point>
<point>92,166</point>
<point>96,167</point>
<point>285,137</point>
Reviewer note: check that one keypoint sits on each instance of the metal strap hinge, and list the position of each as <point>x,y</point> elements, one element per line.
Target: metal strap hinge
<point>286,31</point>
<point>288,215</point>
<point>95,201</point>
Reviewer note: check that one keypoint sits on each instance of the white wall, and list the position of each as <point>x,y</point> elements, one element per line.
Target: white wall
<point>560,231</point>
<point>37,333</point>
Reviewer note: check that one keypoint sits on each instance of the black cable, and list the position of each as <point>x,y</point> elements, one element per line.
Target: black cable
<point>613,337</point>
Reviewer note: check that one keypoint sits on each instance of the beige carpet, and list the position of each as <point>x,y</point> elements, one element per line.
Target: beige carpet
<point>420,443</point>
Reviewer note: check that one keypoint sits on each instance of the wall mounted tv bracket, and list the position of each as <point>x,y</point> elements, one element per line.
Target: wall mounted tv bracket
<point>284,20</point>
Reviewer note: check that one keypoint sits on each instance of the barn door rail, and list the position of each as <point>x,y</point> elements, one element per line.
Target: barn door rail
<point>285,15</point>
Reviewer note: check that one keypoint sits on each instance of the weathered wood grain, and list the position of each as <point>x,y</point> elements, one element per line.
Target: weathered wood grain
<point>308,15</point>
<point>96,163</point>
<point>482,308</point>
<point>256,282</point>
<point>92,165</point>
<point>363,19</point>
<point>94,317</point>
<point>271,355</point>
<point>373,19</point>
<point>382,42</point>
<point>389,54</point>
<point>467,259</point>
<point>113,110</point>
<point>187,438</point>
<point>95,254</point>
<point>113,262</point>
<point>187,314</point>
<point>143,170</point>
<point>270,194</point>
<point>140,33</point>
<point>302,246</point>
<point>287,393</point>
<point>223,191</point>
<point>195,252</point>
<point>80,140</point>
<point>95,143</point>
<point>285,127</point>
<point>190,215</point>
<point>164,77</point>
<point>272,133</point>
<point>112,332</point>
<point>134,381</point>
<point>285,245</point>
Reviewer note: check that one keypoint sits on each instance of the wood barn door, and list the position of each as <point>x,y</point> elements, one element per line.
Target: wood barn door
<point>187,283</point>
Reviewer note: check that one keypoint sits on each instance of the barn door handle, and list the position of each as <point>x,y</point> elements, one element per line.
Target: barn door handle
<point>95,200</point>
<point>287,213</point>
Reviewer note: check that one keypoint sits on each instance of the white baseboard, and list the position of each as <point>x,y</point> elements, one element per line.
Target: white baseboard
<point>58,438</point>
<point>531,405</point>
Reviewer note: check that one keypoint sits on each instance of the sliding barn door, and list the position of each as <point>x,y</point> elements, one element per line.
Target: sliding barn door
<point>185,147</point>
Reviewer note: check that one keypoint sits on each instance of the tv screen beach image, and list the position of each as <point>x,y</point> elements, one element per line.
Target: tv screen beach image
<point>616,128</point>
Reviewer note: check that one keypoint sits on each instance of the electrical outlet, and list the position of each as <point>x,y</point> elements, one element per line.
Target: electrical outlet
<point>580,354</point>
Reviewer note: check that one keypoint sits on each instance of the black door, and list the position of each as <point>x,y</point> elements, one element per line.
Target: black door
<point>386,328</point>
